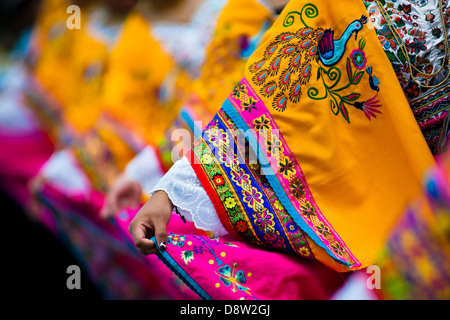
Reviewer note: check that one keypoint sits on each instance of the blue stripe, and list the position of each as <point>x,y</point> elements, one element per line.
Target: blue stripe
<point>167,259</point>
<point>190,122</point>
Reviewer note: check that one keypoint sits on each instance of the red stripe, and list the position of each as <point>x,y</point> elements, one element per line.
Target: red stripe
<point>211,192</point>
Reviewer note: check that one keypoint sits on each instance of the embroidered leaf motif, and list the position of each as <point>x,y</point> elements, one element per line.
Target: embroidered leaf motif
<point>344,111</point>
<point>351,97</point>
<point>231,244</point>
<point>358,77</point>
<point>187,256</point>
<point>349,69</point>
<point>401,56</point>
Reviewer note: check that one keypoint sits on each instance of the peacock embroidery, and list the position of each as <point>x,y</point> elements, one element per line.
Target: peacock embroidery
<point>283,82</point>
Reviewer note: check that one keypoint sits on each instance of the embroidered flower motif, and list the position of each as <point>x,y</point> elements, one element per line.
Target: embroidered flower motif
<point>304,251</point>
<point>324,230</point>
<point>218,180</point>
<point>406,8</point>
<point>274,146</point>
<point>387,38</point>
<point>436,32</point>
<point>308,210</point>
<point>358,58</point>
<point>286,168</point>
<point>278,205</point>
<point>216,136</point>
<point>240,177</point>
<point>228,157</point>
<point>252,197</point>
<point>238,89</point>
<point>264,219</point>
<point>261,123</point>
<point>249,105</point>
<point>430,17</point>
<point>230,203</point>
<point>198,249</point>
<point>274,240</point>
<point>369,107</point>
<point>291,227</point>
<point>297,188</point>
<point>176,240</point>
<point>412,90</point>
<point>417,45</point>
<point>207,159</point>
<point>338,249</point>
<point>241,226</point>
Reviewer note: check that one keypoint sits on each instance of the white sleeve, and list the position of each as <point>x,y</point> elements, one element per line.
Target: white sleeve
<point>187,194</point>
<point>145,169</point>
<point>62,171</point>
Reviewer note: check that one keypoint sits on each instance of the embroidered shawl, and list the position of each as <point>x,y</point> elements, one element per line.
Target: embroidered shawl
<point>335,153</point>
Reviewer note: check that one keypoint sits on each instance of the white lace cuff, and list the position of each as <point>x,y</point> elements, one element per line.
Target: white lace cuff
<point>145,169</point>
<point>186,192</point>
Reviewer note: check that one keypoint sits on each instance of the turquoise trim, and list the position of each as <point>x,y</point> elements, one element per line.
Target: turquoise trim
<point>190,122</point>
<point>228,107</point>
<point>167,259</point>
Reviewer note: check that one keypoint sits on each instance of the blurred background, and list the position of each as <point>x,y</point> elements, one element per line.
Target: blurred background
<point>35,261</point>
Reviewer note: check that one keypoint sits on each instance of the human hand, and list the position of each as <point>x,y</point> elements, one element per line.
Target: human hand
<point>124,193</point>
<point>151,221</point>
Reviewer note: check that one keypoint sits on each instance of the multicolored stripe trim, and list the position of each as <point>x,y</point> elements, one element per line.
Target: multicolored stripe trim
<point>283,171</point>
<point>170,262</point>
<point>245,203</point>
<point>430,111</point>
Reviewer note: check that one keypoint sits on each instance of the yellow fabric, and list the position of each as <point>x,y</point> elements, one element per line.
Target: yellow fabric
<point>363,173</point>
<point>135,72</point>
<point>70,67</point>
<point>223,65</point>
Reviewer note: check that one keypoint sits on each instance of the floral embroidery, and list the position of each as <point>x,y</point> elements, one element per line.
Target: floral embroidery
<point>241,226</point>
<point>297,188</point>
<point>264,219</point>
<point>291,227</point>
<point>299,194</point>
<point>206,158</point>
<point>358,58</point>
<point>387,38</point>
<point>417,45</point>
<point>176,240</point>
<point>240,92</point>
<point>231,277</point>
<point>274,146</point>
<point>309,210</point>
<point>286,167</point>
<point>283,83</point>
<point>230,203</point>
<point>338,100</point>
<point>261,217</point>
<point>413,29</point>
<point>240,177</point>
<point>323,229</point>
<point>274,240</point>
<point>252,197</point>
<point>262,123</point>
<point>218,180</point>
<point>216,136</point>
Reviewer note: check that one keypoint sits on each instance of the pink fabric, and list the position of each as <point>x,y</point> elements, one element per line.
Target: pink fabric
<point>227,269</point>
<point>104,248</point>
<point>20,160</point>
<point>172,285</point>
